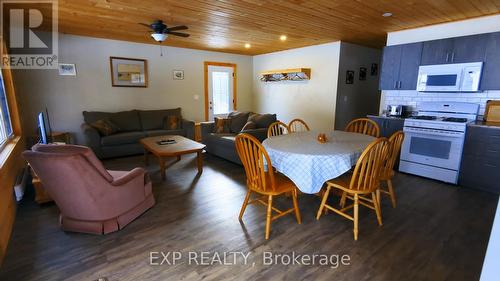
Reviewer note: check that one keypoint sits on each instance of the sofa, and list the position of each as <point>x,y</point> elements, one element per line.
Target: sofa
<point>130,127</point>
<point>222,144</point>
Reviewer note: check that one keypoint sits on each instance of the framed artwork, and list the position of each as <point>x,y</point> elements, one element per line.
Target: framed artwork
<point>362,73</point>
<point>67,69</point>
<point>127,72</point>
<point>349,77</point>
<point>178,74</point>
<point>374,69</point>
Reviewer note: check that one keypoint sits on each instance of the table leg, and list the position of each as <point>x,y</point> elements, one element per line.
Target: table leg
<point>178,158</point>
<point>146,157</point>
<point>200,162</point>
<point>162,167</point>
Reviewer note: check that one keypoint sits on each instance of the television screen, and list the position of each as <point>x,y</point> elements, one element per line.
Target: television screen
<point>42,127</point>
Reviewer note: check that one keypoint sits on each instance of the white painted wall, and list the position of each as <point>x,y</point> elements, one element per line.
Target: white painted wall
<point>66,97</point>
<point>447,30</point>
<point>312,100</point>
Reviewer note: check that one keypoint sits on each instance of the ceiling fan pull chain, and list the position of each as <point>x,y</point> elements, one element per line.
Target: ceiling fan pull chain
<point>161,50</point>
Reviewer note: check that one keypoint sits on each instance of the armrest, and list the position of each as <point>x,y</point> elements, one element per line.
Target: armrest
<point>92,136</point>
<point>260,134</point>
<point>207,128</point>
<point>188,125</point>
<point>132,175</point>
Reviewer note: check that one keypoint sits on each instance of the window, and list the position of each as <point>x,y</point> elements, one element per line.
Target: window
<point>221,94</point>
<point>5,123</point>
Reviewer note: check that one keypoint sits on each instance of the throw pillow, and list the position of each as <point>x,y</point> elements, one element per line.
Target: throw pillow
<point>262,120</point>
<point>105,127</point>
<point>238,120</point>
<point>172,122</point>
<point>222,125</point>
<point>250,125</point>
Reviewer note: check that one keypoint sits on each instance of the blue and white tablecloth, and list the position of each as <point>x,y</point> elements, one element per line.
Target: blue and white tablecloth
<point>308,163</point>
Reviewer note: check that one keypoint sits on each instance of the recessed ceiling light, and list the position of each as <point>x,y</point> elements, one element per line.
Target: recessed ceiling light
<point>386,15</point>
<point>283,37</point>
<point>248,46</point>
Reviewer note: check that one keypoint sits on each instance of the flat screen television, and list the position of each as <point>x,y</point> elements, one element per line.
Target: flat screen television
<point>44,127</point>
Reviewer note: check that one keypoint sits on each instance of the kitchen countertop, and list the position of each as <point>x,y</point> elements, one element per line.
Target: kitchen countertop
<point>478,123</point>
<point>386,117</point>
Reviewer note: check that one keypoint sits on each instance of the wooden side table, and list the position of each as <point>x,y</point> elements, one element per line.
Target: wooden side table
<point>197,132</point>
<point>41,196</point>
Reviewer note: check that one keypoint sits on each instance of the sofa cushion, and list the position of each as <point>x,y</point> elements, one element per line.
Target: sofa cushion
<point>154,133</point>
<point>105,127</point>
<point>122,138</point>
<point>154,119</point>
<point>126,120</point>
<point>262,120</point>
<point>172,122</point>
<point>220,139</point>
<point>238,120</point>
<point>222,125</point>
<point>250,125</point>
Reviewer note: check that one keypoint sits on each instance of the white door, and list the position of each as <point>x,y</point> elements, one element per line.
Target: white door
<point>220,91</point>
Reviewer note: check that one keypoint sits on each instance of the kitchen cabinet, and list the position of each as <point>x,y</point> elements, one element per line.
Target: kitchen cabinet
<point>400,67</point>
<point>480,167</point>
<point>388,125</point>
<point>455,50</point>
<point>491,68</point>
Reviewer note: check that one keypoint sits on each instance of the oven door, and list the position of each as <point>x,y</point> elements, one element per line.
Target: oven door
<point>433,147</point>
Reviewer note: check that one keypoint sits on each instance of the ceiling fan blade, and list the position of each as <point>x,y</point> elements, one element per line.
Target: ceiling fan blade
<point>148,25</point>
<point>180,27</point>
<point>179,34</point>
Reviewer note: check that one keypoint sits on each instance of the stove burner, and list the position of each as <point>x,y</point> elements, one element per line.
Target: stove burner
<point>455,119</point>
<point>424,117</point>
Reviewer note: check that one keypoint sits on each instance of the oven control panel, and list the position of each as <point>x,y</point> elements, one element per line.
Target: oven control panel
<point>435,125</point>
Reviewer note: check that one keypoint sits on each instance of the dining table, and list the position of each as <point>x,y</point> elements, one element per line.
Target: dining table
<point>308,162</point>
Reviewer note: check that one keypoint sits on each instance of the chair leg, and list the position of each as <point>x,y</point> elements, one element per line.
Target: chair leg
<point>323,202</point>
<point>296,206</point>
<point>376,205</point>
<point>268,216</point>
<point>343,199</point>
<point>391,191</point>
<point>245,203</point>
<point>356,205</point>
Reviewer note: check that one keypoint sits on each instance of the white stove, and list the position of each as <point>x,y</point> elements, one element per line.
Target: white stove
<point>434,139</point>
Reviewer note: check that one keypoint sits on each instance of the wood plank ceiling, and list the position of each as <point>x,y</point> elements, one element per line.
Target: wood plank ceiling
<point>227,25</point>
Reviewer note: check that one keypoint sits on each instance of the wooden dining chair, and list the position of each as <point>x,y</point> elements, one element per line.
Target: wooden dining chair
<point>394,147</point>
<point>362,182</point>
<point>298,125</point>
<point>263,181</point>
<point>363,126</point>
<point>277,128</point>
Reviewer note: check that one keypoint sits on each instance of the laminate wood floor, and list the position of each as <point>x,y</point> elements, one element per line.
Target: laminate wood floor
<point>437,232</point>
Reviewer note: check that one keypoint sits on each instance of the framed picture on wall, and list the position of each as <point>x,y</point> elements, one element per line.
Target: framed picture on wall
<point>178,74</point>
<point>362,73</point>
<point>67,69</point>
<point>127,72</point>
<point>374,69</point>
<point>349,79</point>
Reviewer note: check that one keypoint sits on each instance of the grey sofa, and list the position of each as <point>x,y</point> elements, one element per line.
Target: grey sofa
<point>133,125</point>
<point>223,146</point>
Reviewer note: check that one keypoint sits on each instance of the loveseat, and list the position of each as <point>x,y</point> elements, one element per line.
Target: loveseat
<point>128,128</point>
<point>222,144</point>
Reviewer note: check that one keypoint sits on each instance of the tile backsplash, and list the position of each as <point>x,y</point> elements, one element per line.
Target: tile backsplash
<point>413,98</point>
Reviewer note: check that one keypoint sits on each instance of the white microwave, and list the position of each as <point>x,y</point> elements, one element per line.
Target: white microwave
<point>458,77</point>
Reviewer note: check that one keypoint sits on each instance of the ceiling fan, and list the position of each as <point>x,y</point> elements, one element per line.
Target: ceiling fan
<point>161,31</point>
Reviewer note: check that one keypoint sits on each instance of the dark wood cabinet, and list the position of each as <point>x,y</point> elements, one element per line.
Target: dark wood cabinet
<point>491,68</point>
<point>480,167</point>
<point>437,51</point>
<point>388,126</point>
<point>400,67</point>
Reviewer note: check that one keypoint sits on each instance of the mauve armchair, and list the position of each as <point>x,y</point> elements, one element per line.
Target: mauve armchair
<point>91,199</point>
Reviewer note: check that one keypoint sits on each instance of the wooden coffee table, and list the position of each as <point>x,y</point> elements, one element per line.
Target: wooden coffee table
<point>181,146</point>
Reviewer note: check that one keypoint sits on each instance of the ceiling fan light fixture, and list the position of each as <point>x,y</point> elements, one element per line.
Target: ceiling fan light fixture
<point>159,37</point>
